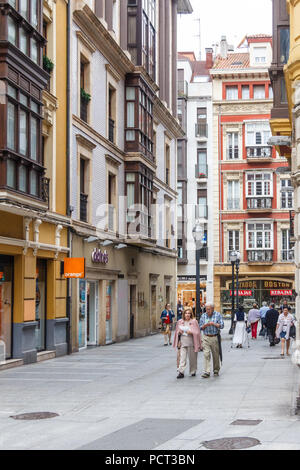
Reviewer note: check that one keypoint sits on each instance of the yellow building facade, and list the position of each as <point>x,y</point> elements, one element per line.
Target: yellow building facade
<point>34,226</point>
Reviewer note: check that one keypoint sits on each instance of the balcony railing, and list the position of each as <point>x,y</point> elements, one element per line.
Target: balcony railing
<point>83,207</point>
<point>183,89</point>
<point>84,109</point>
<point>111,130</point>
<point>204,254</point>
<point>201,130</point>
<point>233,204</point>
<point>260,256</point>
<point>287,255</point>
<point>201,171</point>
<point>259,152</point>
<point>259,203</point>
<point>201,212</point>
<point>111,218</point>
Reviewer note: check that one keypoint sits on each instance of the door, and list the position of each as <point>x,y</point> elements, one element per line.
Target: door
<point>109,313</point>
<point>6,288</point>
<point>91,314</point>
<point>132,313</point>
<point>82,320</point>
<point>153,309</point>
<point>40,305</point>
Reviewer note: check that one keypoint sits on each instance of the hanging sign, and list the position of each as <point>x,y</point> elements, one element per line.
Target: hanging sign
<point>281,292</point>
<point>74,268</point>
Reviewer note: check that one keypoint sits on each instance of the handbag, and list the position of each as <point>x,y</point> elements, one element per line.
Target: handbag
<point>293,331</point>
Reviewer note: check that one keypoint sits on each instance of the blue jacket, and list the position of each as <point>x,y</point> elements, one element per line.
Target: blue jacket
<point>165,313</point>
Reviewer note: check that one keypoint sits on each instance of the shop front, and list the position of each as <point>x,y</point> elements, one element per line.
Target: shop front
<point>257,290</point>
<point>6,307</point>
<point>186,290</point>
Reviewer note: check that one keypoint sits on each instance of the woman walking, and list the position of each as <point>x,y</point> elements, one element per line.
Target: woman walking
<point>240,338</point>
<point>285,321</point>
<point>167,317</point>
<point>188,331</point>
<point>253,319</point>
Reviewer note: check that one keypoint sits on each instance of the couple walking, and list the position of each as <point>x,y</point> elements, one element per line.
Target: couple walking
<point>189,342</point>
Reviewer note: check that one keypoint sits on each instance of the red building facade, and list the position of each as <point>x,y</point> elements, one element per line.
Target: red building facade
<point>253,199</point>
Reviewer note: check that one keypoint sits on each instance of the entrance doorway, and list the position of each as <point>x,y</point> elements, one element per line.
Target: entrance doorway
<point>40,305</point>
<point>92,313</point>
<point>132,310</point>
<point>109,334</point>
<point>153,309</point>
<point>6,283</point>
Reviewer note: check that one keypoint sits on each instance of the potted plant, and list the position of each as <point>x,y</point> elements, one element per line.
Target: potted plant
<point>86,97</point>
<point>48,65</point>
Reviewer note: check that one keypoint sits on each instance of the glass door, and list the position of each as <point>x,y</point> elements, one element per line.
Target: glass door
<point>40,305</point>
<point>82,324</point>
<point>109,313</point>
<point>92,312</point>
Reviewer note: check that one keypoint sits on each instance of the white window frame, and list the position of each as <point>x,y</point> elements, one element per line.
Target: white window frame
<point>259,177</point>
<point>253,129</point>
<point>235,194</point>
<point>264,230</point>
<point>233,138</point>
<point>235,239</point>
<point>284,195</point>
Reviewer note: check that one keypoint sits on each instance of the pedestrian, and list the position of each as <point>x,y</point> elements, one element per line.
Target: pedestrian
<point>240,338</point>
<point>271,320</point>
<point>284,324</point>
<point>253,319</point>
<point>285,305</point>
<point>263,310</point>
<point>179,310</point>
<point>194,307</point>
<point>167,317</point>
<point>188,333</point>
<point>211,323</point>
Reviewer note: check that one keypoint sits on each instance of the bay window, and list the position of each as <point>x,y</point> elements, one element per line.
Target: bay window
<point>259,190</point>
<point>260,241</point>
<point>257,136</point>
<point>139,134</point>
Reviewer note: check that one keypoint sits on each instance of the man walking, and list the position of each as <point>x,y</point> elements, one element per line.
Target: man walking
<point>211,323</point>
<point>271,322</point>
<point>263,311</point>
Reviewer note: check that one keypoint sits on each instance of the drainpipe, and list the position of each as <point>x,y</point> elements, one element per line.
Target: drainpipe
<point>68,157</point>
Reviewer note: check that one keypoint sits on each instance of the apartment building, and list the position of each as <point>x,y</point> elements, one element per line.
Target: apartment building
<point>195,172</point>
<point>254,197</point>
<point>33,209</point>
<point>123,169</point>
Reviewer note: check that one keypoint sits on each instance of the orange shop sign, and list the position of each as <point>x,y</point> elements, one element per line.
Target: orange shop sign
<point>74,268</point>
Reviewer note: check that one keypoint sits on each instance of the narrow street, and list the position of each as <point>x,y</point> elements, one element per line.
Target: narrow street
<point>126,396</point>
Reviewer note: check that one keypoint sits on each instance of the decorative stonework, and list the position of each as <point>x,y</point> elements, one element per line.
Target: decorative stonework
<point>48,7</point>
<point>50,106</point>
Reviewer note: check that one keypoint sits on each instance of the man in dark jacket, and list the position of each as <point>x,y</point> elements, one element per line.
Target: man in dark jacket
<point>271,322</point>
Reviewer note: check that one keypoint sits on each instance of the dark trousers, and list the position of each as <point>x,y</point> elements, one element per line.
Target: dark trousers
<point>271,335</point>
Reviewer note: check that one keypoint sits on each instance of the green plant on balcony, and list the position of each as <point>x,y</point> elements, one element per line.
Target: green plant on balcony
<point>48,65</point>
<point>86,97</point>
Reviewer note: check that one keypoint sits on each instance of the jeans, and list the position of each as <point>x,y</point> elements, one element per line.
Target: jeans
<point>271,335</point>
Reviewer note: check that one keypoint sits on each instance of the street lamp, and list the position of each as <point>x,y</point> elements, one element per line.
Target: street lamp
<point>235,258</point>
<point>198,235</point>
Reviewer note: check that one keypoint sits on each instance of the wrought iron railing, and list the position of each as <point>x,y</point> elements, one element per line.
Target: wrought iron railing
<point>259,203</point>
<point>201,130</point>
<point>83,207</point>
<point>287,255</point>
<point>201,170</point>
<point>111,130</point>
<point>260,255</point>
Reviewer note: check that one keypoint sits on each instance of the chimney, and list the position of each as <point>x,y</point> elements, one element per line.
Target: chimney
<point>223,47</point>
<point>209,58</point>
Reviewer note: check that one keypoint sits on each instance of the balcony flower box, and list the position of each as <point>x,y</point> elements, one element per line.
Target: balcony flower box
<point>48,65</point>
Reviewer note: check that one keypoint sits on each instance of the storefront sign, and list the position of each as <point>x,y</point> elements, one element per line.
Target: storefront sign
<point>191,278</point>
<point>74,268</point>
<point>281,292</point>
<point>242,293</point>
<point>99,257</point>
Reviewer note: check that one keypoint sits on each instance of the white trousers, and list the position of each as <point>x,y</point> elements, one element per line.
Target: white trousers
<point>188,352</point>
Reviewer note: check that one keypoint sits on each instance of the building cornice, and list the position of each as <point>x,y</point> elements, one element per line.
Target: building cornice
<point>167,119</point>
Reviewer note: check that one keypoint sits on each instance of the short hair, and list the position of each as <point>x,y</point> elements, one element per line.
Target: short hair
<point>186,310</point>
<point>209,304</point>
<point>264,303</point>
<point>254,305</point>
<point>272,305</point>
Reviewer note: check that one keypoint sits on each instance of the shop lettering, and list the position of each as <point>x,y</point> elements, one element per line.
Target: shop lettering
<point>281,292</point>
<point>277,285</point>
<point>99,257</point>
<point>243,293</point>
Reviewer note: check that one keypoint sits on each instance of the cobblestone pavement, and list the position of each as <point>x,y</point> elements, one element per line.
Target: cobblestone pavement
<point>126,396</point>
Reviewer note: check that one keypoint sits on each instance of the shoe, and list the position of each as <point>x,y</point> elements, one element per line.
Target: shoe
<point>165,345</point>
<point>180,376</point>
<point>193,375</point>
<point>205,375</point>
<point>216,374</point>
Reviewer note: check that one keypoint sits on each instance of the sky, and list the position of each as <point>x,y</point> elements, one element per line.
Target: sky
<point>231,18</point>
